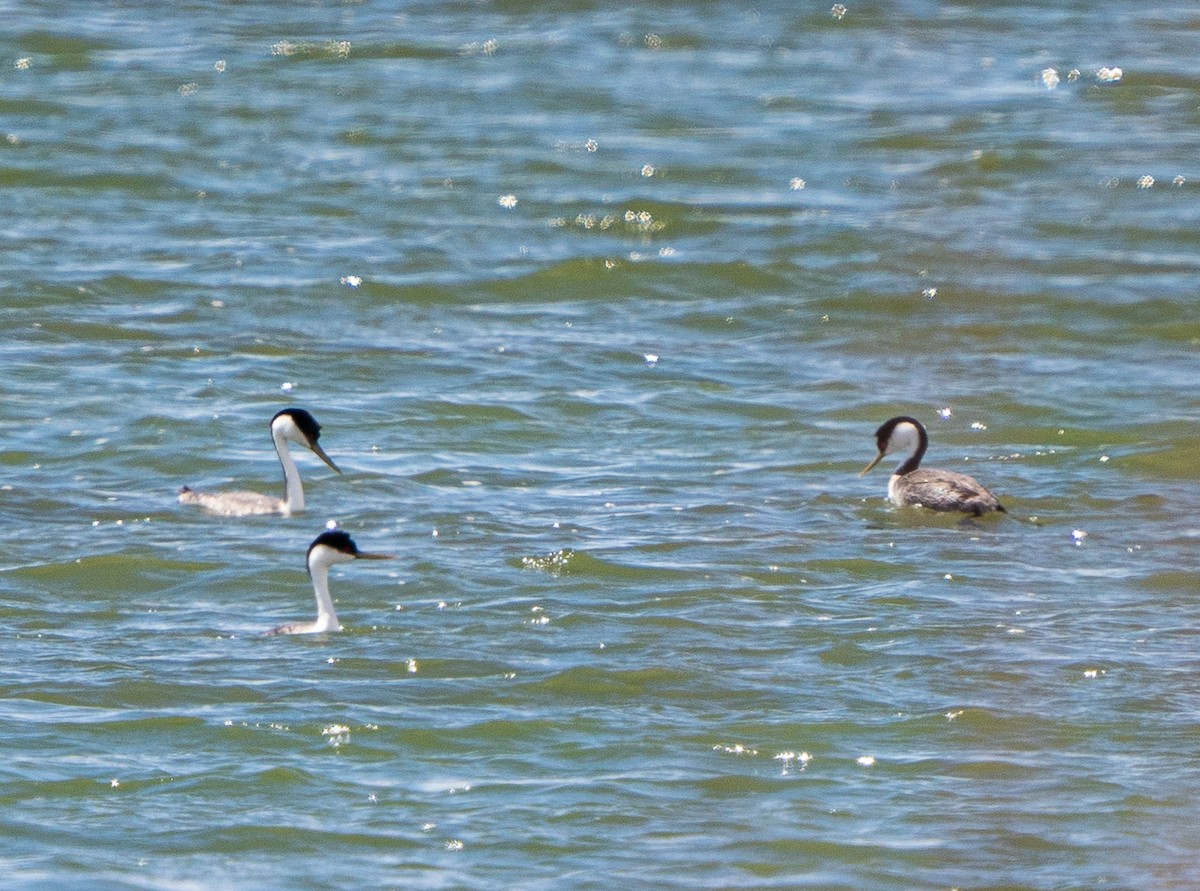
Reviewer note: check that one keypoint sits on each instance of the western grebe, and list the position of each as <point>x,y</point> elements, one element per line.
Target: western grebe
<point>328,548</point>
<point>935,489</point>
<point>291,424</point>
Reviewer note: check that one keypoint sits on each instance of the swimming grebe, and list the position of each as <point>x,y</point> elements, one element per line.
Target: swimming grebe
<point>935,489</point>
<point>291,424</point>
<point>328,548</point>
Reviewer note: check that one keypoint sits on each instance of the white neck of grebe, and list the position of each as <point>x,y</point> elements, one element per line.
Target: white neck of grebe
<point>327,619</point>
<point>293,490</point>
<point>911,440</point>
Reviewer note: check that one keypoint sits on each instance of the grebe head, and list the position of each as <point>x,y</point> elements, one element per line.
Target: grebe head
<point>335,546</point>
<point>328,548</point>
<point>900,434</point>
<point>301,428</point>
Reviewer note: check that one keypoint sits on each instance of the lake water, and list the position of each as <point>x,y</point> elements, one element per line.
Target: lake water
<point>600,308</point>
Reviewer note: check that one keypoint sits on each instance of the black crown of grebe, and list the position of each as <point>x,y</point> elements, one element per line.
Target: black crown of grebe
<point>935,489</point>
<point>329,548</point>
<point>290,425</point>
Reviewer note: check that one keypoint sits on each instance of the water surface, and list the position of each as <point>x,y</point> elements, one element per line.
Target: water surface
<point>599,309</point>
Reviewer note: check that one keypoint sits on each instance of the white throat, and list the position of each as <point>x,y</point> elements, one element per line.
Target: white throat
<point>905,438</point>
<point>293,489</point>
<point>327,619</point>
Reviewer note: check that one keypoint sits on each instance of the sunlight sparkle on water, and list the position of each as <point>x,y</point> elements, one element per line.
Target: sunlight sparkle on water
<point>643,221</point>
<point>554,562</point>
<point>791,759</point>
<point>337,734</point>
<point>735,749</point>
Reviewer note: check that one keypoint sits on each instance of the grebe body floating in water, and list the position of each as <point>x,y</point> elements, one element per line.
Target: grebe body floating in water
<point>935,489</point>
<point>290,425</point>
<point>328,548</point>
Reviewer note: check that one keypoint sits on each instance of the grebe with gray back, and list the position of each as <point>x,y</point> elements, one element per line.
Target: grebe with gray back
<point>935,489</point>
<point>290,425</point>
<point>329,548</point>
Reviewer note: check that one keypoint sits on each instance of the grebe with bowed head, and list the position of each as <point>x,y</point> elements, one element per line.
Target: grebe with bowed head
<point>290,425</point>
<point>935,489</point>
<point>327,549</point>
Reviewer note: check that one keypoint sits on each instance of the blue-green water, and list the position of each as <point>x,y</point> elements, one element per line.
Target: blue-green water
<point>599,308</point>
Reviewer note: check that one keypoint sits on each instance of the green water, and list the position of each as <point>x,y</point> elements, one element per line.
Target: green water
<point>599,309</point>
